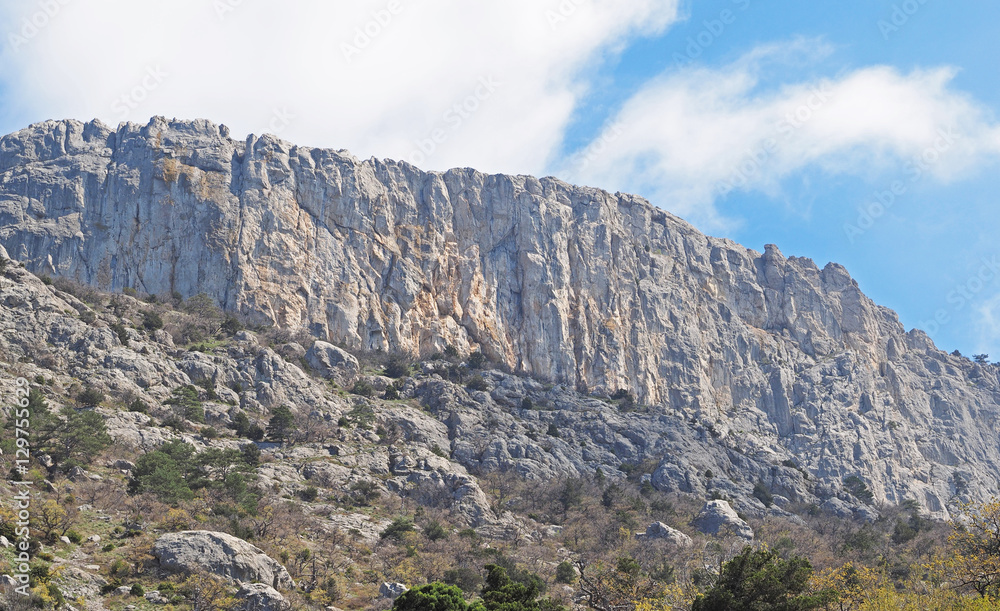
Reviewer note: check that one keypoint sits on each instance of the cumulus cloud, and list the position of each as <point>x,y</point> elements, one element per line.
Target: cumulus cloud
<point>694,135</point>
<point>440,82</point>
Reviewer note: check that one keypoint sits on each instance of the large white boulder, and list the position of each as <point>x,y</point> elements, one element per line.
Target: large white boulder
<point>220,554</point>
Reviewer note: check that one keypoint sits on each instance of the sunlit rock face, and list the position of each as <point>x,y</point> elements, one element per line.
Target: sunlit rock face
<point>569,284</point>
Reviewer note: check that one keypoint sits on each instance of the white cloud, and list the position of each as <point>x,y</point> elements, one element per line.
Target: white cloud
<point>244,62</point>
<point>690,136</point>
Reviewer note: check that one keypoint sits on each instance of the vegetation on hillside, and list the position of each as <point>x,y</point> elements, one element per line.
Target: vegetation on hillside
<point>571,542</point>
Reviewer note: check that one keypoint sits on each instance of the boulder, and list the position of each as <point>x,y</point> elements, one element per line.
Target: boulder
<point>262,597</point>
<point>392,590</point>
<point>123,465</point>
<point>220,554</point>
<point>331,362</point>
<point>156,598</point>
<point>659,530</point>
<point>717,517</point>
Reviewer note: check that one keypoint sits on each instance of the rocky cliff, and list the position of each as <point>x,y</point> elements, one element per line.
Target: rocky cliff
<point>774,356</point>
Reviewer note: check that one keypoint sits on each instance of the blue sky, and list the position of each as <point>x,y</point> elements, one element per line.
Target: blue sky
<point>766,122</point>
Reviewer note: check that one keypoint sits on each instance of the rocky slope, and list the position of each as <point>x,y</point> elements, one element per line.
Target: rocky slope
<point>760,359</point>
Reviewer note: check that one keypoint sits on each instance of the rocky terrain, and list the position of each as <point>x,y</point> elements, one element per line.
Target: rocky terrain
<point>746,360</point>
<point>527,367</point>
<point>451,426</point>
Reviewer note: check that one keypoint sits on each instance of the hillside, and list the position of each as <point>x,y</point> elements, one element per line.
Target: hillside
<point>376,374</point>
<point>565,284</point>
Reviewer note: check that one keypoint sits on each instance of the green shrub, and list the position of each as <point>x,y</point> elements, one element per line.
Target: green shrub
<point>398,528</point>
<point>309,494</point>
<point>137,590</point>
<point>760,579</point>
<point>435,531</point>
<point>466,578</point>
<point>565,573</point>
<point>152,320</point>
<point>553,430</point>
<point>118,567</point>
<point>120,331</point>
<point>477,360</point>
<point>859,489</point>
<point>391,393</point>
<point>231,325</point>
<point>281,424</point>
<point>251,454</point>
<point>90,396</point>
<point>477,383</point>
<point>397,366</point>
<point>74,537</point>
<point>762,494</point>
<point>363,388</point>
<point>434,596</point>
<point>188,406</point>
<point>56,595</point>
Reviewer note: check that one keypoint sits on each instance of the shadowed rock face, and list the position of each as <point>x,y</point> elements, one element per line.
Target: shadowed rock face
<point>570,284</point>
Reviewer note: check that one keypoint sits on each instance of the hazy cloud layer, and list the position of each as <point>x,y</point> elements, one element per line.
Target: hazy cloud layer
<point>691,136</point>
<point>441,82</point>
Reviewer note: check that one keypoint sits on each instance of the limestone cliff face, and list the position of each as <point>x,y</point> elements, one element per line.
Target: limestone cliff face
<point>576,285</point>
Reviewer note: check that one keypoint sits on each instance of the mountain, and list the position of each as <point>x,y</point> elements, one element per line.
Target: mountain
<point>770,360</point>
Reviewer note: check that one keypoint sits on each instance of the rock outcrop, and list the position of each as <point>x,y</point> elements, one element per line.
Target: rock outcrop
<point>262,597</point>
<point>718,518</point>
<point>659,530</point>
<point>756,366</point>
<point>219,554</point>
